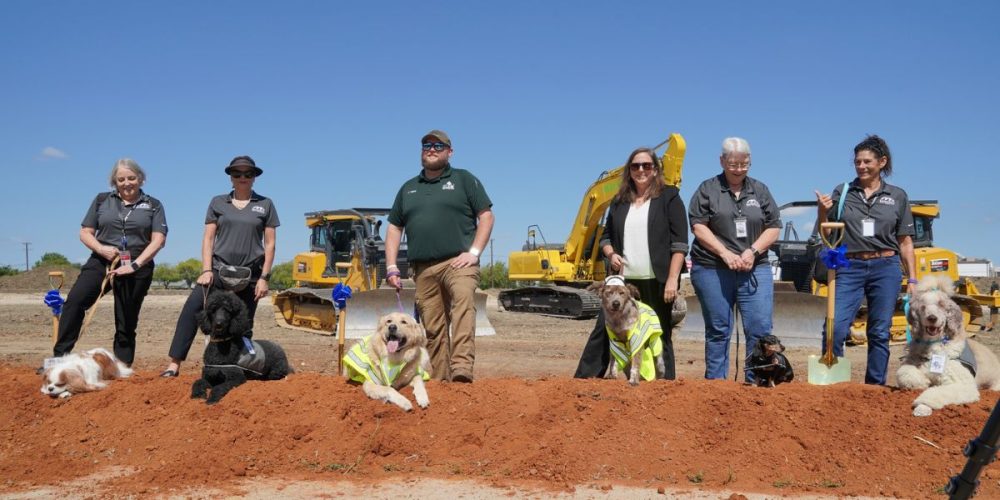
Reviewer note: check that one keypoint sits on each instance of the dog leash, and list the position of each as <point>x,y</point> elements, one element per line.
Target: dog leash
<point>399,302</point>
<point>108,280</point>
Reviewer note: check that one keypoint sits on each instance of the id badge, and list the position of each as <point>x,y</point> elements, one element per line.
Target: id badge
<point>937,363</point>
<point>741,227</point>
<point>125,258</point>
<point>868,228</point>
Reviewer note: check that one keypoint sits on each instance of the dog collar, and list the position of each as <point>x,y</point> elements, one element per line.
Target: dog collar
<point>943,340</point>
<point>216,341</point>
<point>615,280</point>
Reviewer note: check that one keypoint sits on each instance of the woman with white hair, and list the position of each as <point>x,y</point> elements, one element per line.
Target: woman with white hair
<point>126,224</point>
<point>734,220</point>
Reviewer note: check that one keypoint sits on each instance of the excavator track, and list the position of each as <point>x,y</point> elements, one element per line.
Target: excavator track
<point>559,301</point>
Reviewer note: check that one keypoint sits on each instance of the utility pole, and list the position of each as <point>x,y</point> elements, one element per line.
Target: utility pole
<point>26,243</point>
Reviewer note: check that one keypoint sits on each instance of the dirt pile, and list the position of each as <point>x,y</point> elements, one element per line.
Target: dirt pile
<point>37,280</point>
<point>150,438</point>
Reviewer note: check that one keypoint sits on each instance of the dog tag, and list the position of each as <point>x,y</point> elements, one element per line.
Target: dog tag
<point>867,228</point>
<point>741,227</point>
<point>48,362</point>
<point>937,363</point>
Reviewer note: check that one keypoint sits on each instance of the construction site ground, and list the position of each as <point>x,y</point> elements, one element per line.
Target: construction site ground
<point>525,427</point>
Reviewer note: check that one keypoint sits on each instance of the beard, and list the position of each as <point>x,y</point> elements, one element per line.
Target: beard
<point>434,165</point>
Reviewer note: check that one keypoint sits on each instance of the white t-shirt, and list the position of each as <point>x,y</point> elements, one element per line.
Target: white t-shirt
<point>636,243</point>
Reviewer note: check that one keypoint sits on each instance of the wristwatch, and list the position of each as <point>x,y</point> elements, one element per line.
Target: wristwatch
<point>135,266</point>
<point>756,253</point>
<point>266,277</point>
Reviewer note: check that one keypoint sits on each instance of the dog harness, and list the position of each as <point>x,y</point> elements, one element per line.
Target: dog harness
<point>361,369</point>
<point>643,336</point>
<point>251,361</point>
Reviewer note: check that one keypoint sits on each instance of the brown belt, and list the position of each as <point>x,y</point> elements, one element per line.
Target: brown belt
<point>875,254</point>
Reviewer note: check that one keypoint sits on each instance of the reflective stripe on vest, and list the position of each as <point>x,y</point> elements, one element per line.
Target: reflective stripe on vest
<point>360,369</point>
<point>645,337</point>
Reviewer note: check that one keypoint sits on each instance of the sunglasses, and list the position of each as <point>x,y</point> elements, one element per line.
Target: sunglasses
<point>436,146</point>
<point>246,174</point>
<point>646,165</point>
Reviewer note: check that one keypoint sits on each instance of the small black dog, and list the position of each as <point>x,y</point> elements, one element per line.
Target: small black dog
<point>769,366</point>
<point>229,361</point>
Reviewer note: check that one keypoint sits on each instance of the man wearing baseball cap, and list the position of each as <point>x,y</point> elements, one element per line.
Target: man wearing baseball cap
<point>448,219</point>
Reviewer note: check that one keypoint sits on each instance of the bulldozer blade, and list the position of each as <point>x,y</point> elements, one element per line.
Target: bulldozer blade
<point>797,319</point>
<point>365,308</point>
<point>311,310</point>
<point>821,374</point>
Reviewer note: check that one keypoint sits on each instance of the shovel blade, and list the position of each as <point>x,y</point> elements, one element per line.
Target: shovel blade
<point>820,374</point>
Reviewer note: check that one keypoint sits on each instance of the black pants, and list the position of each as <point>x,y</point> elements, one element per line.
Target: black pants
<point>187,323</point>
<point>129,292</point>
<point>597,352</point>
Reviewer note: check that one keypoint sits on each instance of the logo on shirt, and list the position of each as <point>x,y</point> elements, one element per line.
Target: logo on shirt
<point>752,202</point>
<point>411,191</point>
<point>143,205</point>
<point>886,200</point>
<point>257,208</point>
<point>448,186</point>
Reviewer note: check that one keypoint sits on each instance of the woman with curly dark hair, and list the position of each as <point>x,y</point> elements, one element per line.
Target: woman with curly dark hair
<point>878,230</point>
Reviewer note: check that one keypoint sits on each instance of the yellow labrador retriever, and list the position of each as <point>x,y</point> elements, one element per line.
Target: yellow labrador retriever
<point>391,358</point>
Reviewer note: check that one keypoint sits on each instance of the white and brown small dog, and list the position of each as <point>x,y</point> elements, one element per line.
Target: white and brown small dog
<point>82,372</point>
<point>634,331</point>
<point>941,360</point>
<point>392,358</point>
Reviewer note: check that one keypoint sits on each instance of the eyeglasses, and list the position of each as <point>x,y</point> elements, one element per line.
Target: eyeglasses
<point>436,146</point>
<point>246,174</point>
<point>738,166</point>
<point>646,165</point>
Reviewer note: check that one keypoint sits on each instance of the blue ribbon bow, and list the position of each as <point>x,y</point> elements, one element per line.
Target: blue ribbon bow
<point>340,294</point>
<point>835,258</point>
<point>54,301</point>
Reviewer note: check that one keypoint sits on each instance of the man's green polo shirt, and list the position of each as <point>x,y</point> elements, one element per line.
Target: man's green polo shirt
<point>439,215</point>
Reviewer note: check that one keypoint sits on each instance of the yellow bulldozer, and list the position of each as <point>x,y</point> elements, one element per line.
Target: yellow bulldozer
<point>798,295</point>
<point>346,247</point>
<point>564,270</point>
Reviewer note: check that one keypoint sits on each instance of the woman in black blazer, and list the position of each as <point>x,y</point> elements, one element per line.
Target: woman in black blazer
<point>645,239</point>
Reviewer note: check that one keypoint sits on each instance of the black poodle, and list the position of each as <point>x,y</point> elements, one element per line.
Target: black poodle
<point>769,366</point>
<point>230,358</point>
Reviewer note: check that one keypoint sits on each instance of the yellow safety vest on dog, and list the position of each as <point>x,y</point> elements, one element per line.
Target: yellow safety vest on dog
<point>360,368</point>
<point>644,336</point>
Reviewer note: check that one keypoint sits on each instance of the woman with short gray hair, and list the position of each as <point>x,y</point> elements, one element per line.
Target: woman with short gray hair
<point>124,229</point>
<point>735,220</point>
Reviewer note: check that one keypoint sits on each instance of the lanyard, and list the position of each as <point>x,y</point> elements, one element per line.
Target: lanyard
<point>124,220</point>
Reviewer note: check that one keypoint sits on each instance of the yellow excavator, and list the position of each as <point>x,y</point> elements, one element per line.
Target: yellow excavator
<point>566,269</point>
<point>346,247</point>
<point>795,258</point>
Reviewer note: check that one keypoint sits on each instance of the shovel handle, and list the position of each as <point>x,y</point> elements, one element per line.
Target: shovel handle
<point>341,325</point>
<point>826,227</point>
<point>56,277</point>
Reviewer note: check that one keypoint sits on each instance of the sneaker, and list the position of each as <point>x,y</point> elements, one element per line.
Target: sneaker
<point>461,377</point>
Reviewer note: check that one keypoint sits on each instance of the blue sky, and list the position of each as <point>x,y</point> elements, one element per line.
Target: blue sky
<point>331,99</point>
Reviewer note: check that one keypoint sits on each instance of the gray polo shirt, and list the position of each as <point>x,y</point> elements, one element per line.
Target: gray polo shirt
<point>717,207</point>
<point>239,235</point>
<point>889,207</point>
<point>440,215</point>
<point>111,218</point>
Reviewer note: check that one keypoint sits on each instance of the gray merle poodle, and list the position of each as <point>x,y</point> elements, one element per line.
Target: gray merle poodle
<point>230,358</point>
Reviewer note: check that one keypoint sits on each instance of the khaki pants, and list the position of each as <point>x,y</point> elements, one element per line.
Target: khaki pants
<point>445,299</point>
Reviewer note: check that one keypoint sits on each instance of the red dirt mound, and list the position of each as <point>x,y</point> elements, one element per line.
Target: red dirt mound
<point>847,439</point>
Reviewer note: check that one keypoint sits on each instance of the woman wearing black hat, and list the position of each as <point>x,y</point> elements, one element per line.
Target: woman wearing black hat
<point>237,252</point>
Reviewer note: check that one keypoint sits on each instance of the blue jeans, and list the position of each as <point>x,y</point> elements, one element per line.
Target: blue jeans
<point>718,290</point>
<point>879,280</point>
